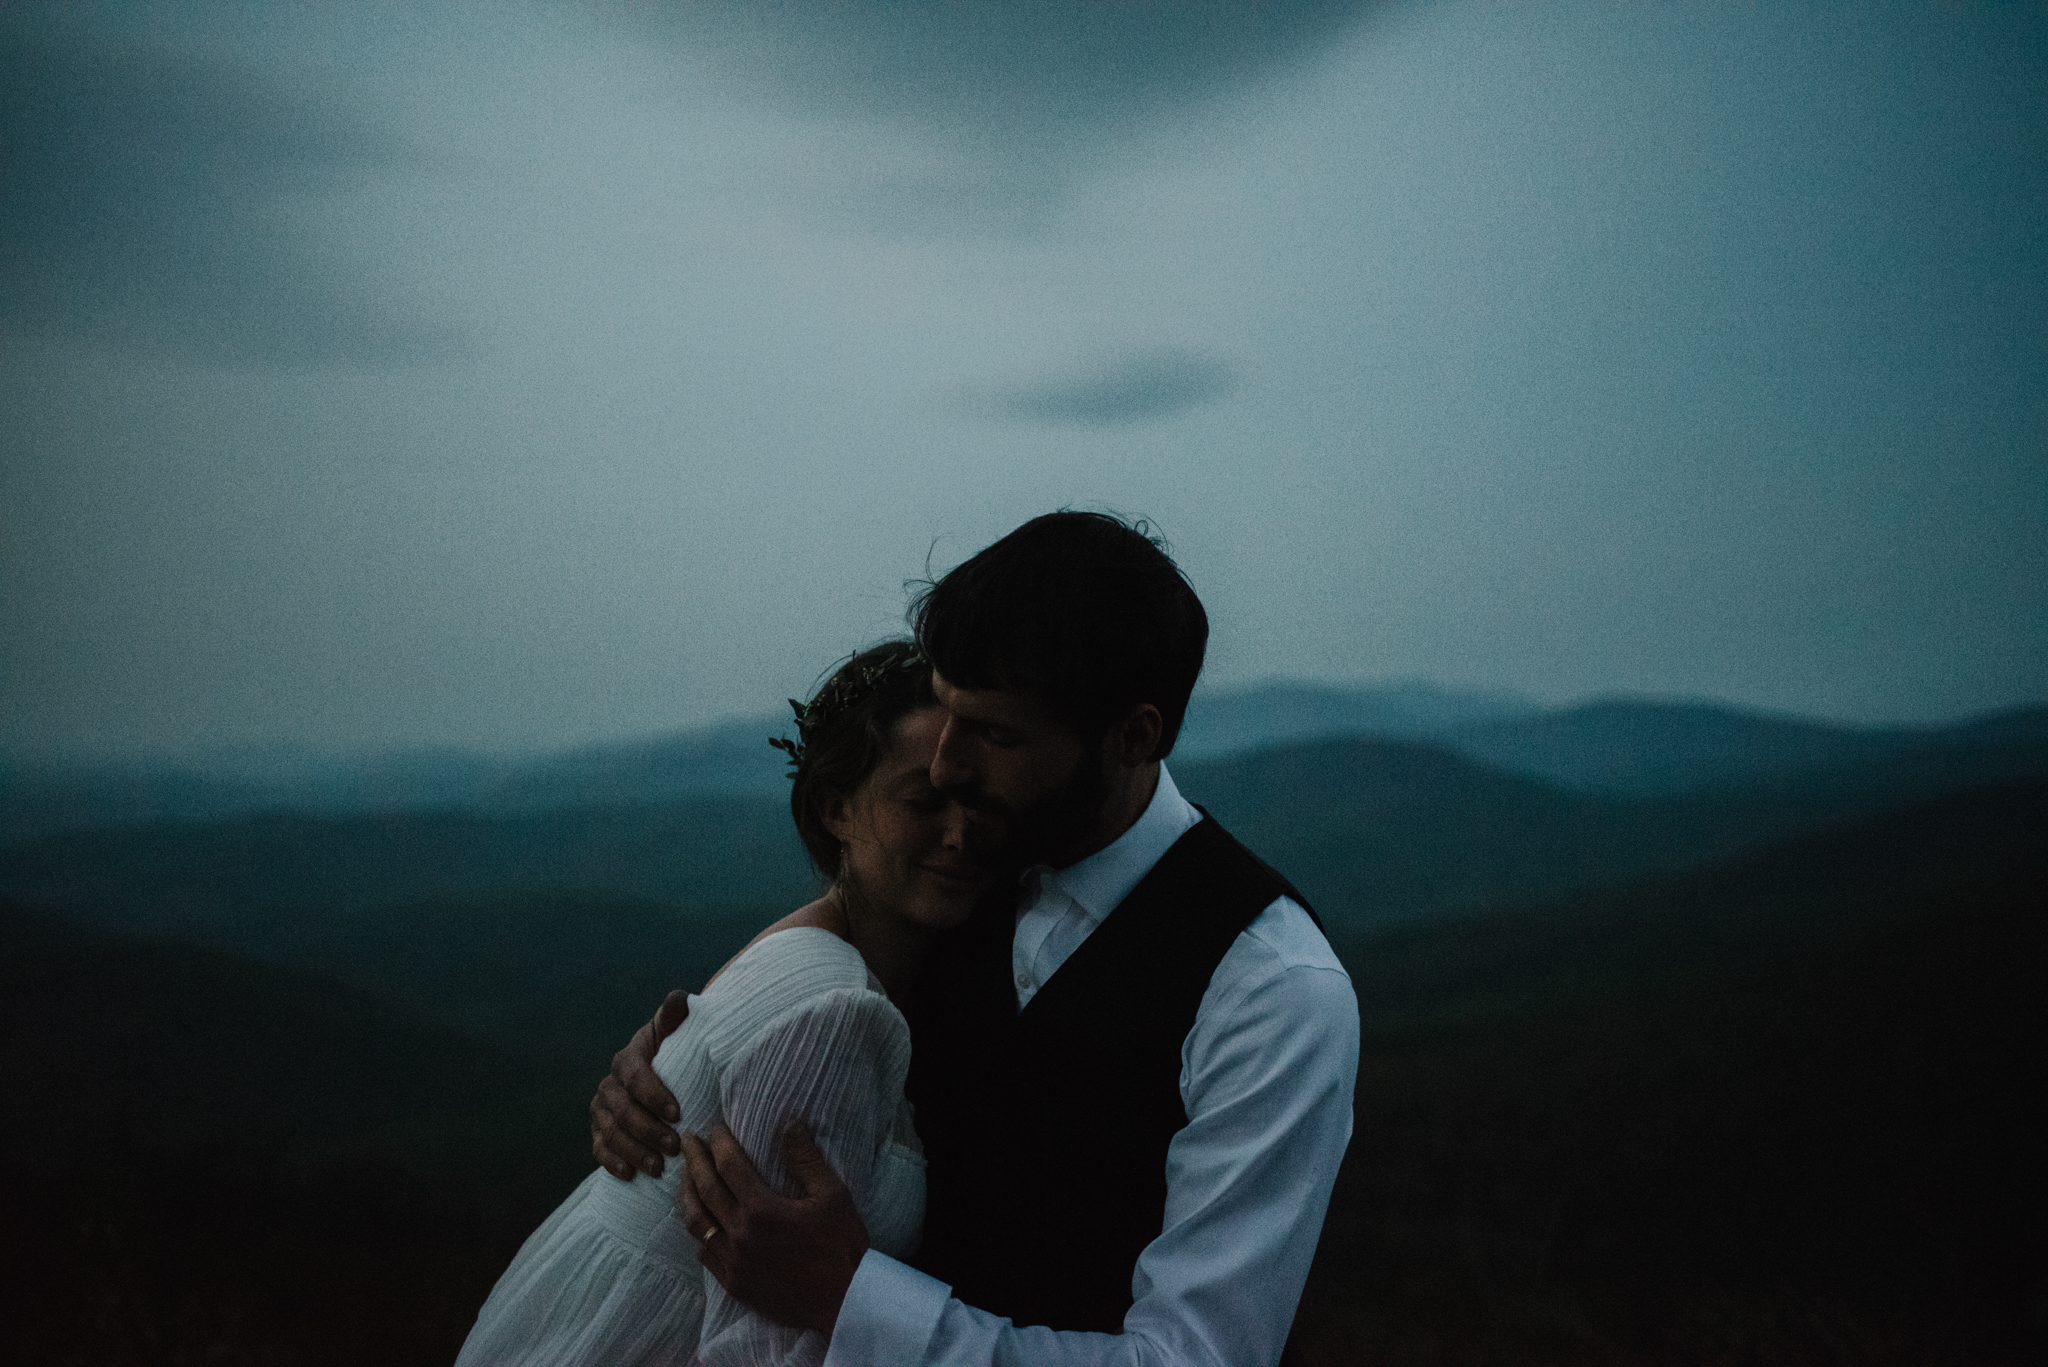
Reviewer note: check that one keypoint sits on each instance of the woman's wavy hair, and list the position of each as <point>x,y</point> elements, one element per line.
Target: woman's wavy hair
<point>844,731</point>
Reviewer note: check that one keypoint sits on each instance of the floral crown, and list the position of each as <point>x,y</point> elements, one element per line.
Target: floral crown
<point>845,688</point>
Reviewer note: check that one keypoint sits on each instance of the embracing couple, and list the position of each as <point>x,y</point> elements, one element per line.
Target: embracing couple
<point>1056,1071</point>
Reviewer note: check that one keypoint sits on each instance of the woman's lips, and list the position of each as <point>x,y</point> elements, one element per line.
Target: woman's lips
<point>961,875</point>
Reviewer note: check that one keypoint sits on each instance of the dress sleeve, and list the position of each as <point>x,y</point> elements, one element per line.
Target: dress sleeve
<point>837,1061</point>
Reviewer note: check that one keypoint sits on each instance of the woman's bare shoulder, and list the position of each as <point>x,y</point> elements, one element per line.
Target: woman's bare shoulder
<point>794,972</point>
<point>786,963</point>
<point>823,914</point>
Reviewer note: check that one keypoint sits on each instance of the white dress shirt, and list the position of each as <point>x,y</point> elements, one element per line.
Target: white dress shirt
<point>1266,1078</point>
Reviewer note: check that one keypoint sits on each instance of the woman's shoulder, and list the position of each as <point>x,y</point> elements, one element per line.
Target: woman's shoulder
<point>783,972</point>
<point>797,949</point>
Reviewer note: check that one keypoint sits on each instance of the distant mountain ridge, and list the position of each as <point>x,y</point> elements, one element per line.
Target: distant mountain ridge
<point>226,881</point>
<point>1282,711</point>
<point>1643,747</point>
<point>731,757</point>
<point>1380,832</point>
<point>1375,831</point>
<point>1619,747</point>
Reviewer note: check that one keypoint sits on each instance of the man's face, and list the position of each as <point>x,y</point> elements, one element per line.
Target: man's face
<point>1003,754</point>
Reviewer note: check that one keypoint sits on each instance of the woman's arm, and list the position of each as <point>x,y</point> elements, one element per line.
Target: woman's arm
<point>837,1066</point>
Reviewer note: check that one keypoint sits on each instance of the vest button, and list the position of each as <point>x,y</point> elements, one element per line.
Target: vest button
<point>1023,980</point>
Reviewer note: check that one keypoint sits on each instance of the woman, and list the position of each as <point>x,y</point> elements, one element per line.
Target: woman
<point>800,1025</point>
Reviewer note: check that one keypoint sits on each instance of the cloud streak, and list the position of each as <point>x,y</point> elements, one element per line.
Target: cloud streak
<point>1056,61</point>
<point>1140,386</point>
<point>1012,105</point>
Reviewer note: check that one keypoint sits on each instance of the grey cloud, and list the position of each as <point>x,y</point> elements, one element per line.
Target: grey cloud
<point>1131,388</point>
<point>1022,95</point>
<point>145,207</point>
<point>1055,61</point>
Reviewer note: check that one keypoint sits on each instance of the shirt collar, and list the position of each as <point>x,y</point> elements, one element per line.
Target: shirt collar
<point>1098,883</point>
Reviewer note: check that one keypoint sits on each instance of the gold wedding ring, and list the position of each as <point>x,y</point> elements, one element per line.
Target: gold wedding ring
<point>709,1235</point>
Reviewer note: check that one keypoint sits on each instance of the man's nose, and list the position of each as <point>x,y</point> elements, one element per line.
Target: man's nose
<point>951,769</point>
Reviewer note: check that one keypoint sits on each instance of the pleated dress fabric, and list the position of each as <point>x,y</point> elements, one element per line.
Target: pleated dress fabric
<point>796,1027</point>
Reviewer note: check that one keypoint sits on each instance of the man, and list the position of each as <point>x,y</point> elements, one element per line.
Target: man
<point>1132,1076</point>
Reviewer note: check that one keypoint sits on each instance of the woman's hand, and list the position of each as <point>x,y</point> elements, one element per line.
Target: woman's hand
<point>632,1114</point>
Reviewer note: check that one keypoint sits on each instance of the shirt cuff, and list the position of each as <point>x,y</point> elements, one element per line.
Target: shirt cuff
<point>888,1315</point>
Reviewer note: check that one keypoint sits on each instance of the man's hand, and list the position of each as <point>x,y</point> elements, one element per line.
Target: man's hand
<point>789,1258</point>
<point>631,1114</point>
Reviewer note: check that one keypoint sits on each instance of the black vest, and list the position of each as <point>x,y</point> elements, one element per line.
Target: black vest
<point>1045,1130</point>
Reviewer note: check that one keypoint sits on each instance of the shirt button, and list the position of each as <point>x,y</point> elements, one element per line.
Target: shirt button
<point>1023,980</point>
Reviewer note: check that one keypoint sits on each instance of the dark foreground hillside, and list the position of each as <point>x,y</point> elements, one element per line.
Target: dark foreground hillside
<point>1783,1111</point>
<point>1772,1111</point>
<point>208,1160</point>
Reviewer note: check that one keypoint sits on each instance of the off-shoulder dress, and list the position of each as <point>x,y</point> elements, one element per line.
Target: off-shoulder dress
<point>795,1027</point>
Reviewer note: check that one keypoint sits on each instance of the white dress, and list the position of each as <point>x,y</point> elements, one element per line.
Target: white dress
<point>797,1026</point>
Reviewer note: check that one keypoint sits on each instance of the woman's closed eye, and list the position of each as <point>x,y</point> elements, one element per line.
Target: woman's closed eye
<point>929,802</point>
<point>916,792</point>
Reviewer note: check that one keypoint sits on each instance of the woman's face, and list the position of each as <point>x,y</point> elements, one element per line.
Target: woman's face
<point>911,851</point>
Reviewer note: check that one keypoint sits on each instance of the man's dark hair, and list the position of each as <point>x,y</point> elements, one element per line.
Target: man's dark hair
<point>1083,610</point>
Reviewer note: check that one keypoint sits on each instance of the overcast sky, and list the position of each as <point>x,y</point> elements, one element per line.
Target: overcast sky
<point>520,375</point>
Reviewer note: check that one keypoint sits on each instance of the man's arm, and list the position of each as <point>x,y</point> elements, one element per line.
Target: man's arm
<point>632,1114</point>
<point>1248,1181</point>
<point>1268,1075</point>
<point>801,1253</point>
<point>835,1067</point>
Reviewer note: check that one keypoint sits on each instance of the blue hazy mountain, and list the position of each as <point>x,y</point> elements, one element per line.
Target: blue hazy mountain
<point>1375,831</point>
<point>1627,747</point>
<point>1646,747</point>
<point>228,881</point>
<point>1379,831</point>
<point>734,756</point>
<point>47,794</point>
<point>1236,720</point>
<point>731,757</point>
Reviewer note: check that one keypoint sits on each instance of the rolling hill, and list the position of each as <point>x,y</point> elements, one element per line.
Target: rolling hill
<point>1378,832</point>
<point>1375,832</point>
<point>225,1161</point>
<point>1642,748</point>
<point>235,877</point>
<point>1773,1109</point>
<point>1235,721</point>
<point>1780,1110</point>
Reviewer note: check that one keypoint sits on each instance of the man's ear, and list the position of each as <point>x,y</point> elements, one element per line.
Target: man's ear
<point>1135,739</point>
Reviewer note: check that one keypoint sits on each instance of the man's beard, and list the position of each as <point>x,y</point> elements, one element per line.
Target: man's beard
<point>1061,819</point>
